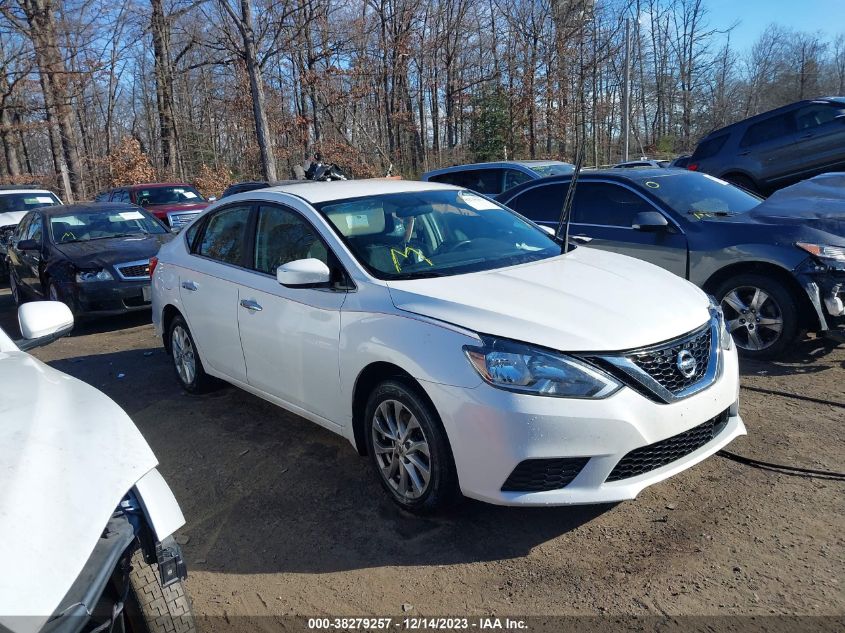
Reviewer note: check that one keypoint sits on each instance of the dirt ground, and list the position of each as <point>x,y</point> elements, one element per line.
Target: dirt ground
<point>284,518</point>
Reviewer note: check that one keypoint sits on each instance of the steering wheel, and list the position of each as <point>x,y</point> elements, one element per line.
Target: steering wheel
<point>451,247</point>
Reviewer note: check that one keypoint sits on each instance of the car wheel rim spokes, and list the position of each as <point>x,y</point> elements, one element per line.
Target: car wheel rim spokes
<point>401,449</point>
<point>753,317</point>
<point>183,355</point>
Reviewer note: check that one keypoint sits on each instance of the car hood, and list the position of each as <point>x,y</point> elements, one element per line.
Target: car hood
<point>68,455</point>
<point>117,250</point>
<point>11,218</point>
<point>587,300</point>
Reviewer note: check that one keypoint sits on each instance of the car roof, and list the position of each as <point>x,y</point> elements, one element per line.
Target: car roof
<point>153,185</point>
<point>768,113</point>
<point>494,165</point>
<point>84,207</point>
<point>8,190</point>
<point>320,191</point>
<point>636,175</point>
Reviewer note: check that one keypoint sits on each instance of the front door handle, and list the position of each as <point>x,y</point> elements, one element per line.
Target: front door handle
<point>189,285</point>
<point>249,304</point>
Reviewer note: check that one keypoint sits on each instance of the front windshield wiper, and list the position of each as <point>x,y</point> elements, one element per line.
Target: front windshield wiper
<point>423,274</point>
<point>721,214</point>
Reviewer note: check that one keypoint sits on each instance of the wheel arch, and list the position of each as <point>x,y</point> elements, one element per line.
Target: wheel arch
<point>806,312</point>
<point>367,379</point>
<point>169,313</point>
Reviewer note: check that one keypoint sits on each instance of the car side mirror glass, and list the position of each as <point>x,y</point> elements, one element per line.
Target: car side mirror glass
<point>649,221</point>
<point>302,273</point>
<point>27,245</point>
<point>547,229</point>
<point>42,322</point>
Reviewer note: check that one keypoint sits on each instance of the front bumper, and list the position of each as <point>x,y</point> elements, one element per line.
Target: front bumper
<point>103,298</point>
<point>492,431</point>
<point>826,291</point>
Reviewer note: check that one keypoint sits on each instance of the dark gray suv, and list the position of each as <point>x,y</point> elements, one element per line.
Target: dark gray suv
<point>776,148</point>
<point>777,266</point>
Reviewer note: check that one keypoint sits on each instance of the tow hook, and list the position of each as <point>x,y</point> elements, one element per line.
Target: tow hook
<point>171,566</point>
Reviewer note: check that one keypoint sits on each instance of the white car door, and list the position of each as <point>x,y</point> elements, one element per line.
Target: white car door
<point>290,336</point>
<point>209,289</point>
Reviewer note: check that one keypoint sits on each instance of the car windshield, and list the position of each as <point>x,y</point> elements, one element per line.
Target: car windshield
<point>553,169</point>
<point>84,226</point>
<point>700,194</point>
<point>27,201</point>
<point>168,195</point>
<point>435,233</point>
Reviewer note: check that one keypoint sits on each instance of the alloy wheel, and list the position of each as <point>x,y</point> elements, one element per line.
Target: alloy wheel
<point>401,449</point>
<point>183,355</point>
<point>753,317</point>
<point>13,286</point>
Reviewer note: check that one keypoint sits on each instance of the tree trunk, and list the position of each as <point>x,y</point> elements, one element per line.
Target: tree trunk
<point>160,28</point>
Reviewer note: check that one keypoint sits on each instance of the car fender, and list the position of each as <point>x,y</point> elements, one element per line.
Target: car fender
<point>160,506</point>
<point>705,264</point>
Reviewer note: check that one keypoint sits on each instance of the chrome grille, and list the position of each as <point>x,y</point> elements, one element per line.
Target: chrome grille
<point>661,363</point>
<point>134,270</point>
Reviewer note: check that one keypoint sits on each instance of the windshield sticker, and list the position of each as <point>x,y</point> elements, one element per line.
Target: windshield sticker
<point>359,221</point>
<point>29,201</point>
<point>477,202</point>
<point>419,256</point>
<point>714,179</point>
<point>44,199</point>
<point>188,194</point>
<point>131,215</point>
<point>652,185</point>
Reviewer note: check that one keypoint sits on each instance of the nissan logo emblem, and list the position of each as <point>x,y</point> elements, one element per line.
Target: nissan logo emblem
<point>686,363</point>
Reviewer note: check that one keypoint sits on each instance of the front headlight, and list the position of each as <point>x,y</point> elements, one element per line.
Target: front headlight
<point>526,369</point>
<point>824,251</point>
<point>726,341</point>
<point>94,275</point>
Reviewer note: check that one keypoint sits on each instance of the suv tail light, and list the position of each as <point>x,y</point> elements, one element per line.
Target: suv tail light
<point>693,166</point>
<point>153,264</point>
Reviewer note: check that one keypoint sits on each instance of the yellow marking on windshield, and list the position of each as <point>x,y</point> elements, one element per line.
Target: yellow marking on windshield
<point>396,254</point>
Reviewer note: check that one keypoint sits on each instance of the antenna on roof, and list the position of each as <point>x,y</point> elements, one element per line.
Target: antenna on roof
<point>566,211</point>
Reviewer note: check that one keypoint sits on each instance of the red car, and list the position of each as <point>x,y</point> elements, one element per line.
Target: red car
<point>173,203</point>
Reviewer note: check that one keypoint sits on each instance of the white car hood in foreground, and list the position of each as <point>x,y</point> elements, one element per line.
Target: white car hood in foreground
<point>68,455</point>
<point>11,217</point>
<point>587,300</point>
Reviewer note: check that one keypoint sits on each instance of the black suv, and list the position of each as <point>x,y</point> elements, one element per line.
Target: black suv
<point>776,148</point>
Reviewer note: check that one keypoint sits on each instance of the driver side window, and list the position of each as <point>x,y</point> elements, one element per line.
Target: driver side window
<point>282,236</point>
<point>35,229</point>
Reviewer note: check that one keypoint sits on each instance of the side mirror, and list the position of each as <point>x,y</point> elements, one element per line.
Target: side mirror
<point>27,245</point>
<point>212,198</point>
<point>43,322</point>
<point>650,222</point>
<point>303,273</point>
<point>547,229</point>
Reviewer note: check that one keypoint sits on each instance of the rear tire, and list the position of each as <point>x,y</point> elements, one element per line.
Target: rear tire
<point>743,182</point>
<point>769,325</point>
<point>152,608</point>
<point>409,450</point>
<point>186,359</point>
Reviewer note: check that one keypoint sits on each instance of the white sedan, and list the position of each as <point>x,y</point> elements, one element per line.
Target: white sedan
<point>451,340</point>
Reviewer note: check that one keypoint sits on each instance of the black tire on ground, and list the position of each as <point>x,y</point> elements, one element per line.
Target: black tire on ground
<point>18,295</point>
<point>183,348</point>
<point>744,182</point>
<point>441,490</point>
<point>153,609</point>
<point>54,294</point>
<point>781,302</point>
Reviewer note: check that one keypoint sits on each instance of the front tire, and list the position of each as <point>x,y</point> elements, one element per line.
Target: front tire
<point>409,450</point>
<point>761,315</point>
<point>152,608</point>
<point>17,294</point>
<point>186,359</point>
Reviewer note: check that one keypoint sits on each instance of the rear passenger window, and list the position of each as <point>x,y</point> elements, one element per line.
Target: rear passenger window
<point>542,203</point>
<point>283,236</point>
<point>224,238</point>
<point>709,148</point>
<point>815,115</point>
<point>607,205</point>
<point>514,178</point>
<point>769,130</point>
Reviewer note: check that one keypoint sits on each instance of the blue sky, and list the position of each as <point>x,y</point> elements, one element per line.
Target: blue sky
<point>753,16</point>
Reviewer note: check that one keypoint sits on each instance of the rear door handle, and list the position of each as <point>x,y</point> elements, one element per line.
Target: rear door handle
<point>189,285</point>
<point>249,304</point>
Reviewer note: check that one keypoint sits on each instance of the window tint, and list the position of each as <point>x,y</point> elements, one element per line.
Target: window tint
<point>606,204</point>
<point>283,236</point>
<point>815,115</point>
<point>769,130</point>
<point>35,229</point>
<point>446,179</point>
<point>709,148</point>
<point>514,178</point>
<point>542,203</point>
<point>225,235</point>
